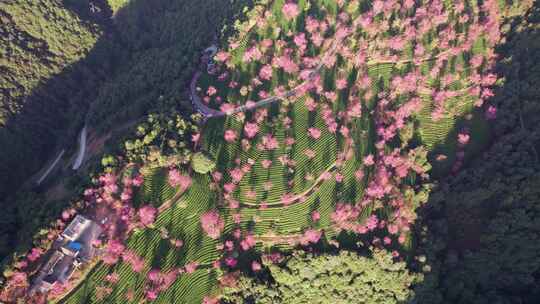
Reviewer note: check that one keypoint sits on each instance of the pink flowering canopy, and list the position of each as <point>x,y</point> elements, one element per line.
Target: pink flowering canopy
<point>315,115</point>
<point>212,224</point>
<point>290,10</point>
<point>178,179</point>
<point>147,215</point>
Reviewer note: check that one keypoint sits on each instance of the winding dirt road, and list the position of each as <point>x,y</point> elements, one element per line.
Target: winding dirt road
<point>82,149</point>
<point>51,167</point>
<point>208,112</point>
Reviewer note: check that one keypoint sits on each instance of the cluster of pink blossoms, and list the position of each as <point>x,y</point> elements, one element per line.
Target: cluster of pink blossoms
<point>251,129</point>
<point>147,215</point>
<point>212,224</point>
<point>290,10</point>
<point>230,136</point>
<point>314,133</point>
<point>178,179</point>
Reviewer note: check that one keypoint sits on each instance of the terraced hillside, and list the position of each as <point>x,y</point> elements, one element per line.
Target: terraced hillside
<point>363,90</point>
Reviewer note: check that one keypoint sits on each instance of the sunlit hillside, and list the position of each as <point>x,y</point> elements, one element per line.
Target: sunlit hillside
<point>307,169</point>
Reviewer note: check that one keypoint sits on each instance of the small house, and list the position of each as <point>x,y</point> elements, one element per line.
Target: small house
<point>76,228</point>
<point>75,247</point>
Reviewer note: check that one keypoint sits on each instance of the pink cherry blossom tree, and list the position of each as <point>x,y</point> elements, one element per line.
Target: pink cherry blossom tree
<point>147,215</point>
<point>212,224</point>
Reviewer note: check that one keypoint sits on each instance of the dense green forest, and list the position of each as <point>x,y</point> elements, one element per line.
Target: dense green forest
<point>208,227</point>
<point>481,227</point>
<point>41,41</point>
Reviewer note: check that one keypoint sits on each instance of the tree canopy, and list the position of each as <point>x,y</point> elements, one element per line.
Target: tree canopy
<point>342,278</point>
<point>202,163</point>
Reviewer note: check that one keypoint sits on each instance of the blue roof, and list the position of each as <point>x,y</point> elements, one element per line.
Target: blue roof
<point>75,246</point>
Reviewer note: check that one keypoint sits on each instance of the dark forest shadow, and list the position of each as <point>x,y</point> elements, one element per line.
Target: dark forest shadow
<point>141,63</point>
<point>480,229</point>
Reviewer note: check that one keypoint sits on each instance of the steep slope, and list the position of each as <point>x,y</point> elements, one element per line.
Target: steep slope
<point>482,226</point>
<point>38,41</point>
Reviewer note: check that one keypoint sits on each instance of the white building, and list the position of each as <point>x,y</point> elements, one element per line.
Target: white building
<point>76,228</point>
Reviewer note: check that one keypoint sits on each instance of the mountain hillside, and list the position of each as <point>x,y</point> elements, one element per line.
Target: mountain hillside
<point>38,41</point>
<point>312,126</point>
